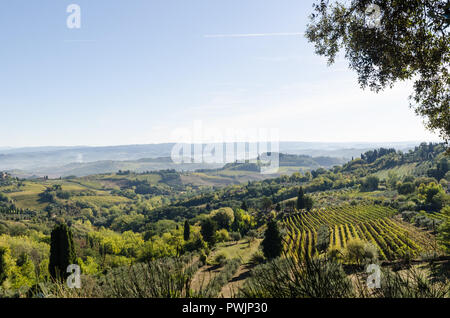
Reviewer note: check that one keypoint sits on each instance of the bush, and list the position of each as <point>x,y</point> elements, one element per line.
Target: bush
<point>409,215</point>
<point>406,188</point>
<point>195,244</point>
<point>235,236</point>
<point>215,285</point>
<point>203,257</point>
<point>408,205</point>
<point>63,195</point>
<point>222,236</point>
<point>411,284</point>
<point>370,253</point>
<point>360,252</point>
<point>370,183</point>
<point>257,258</point>
<point>166,277</point>
<point>3,198</point>
<point>162,278</point>
<point>288,278</point>
<point>335,254</point>
<point>220,259</point>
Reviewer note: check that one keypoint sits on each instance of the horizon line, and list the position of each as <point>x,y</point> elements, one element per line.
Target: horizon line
<point>210,142</point>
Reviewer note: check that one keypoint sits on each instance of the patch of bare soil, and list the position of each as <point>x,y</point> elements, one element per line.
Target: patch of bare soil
<point>232,288</point>
<point>204,275</point>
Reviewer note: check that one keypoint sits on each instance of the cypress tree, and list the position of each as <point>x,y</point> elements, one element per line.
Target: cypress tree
<point>278,207</point>
<point>300,199</point>
<point>208,231</point>
<point>309,203</point>
<point>62,251</point>
<point>187,231</point>
<point>271,244</point>
<point>3,264</point>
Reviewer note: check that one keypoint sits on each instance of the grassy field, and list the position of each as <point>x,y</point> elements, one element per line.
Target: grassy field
<point>200,178</point>
<point>103,200</point>
<point>401,171</point>
<point>242,249</point>
<point>28,197</point>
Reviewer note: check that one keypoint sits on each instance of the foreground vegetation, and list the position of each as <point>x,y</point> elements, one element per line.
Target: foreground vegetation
<point>387,208</point>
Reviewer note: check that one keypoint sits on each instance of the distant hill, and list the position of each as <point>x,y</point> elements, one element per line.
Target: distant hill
<point>110,166</point>
<point>82,160</point>
<point>250,171</point>
<point>289,160</point>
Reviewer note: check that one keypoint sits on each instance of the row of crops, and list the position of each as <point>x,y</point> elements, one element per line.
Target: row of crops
<point>436,215</point>
<point>371,223</point>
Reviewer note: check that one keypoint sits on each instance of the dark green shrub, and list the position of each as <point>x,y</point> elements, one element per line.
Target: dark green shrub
<point>288,278</point>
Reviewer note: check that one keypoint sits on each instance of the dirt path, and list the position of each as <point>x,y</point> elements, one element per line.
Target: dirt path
<point>203,276</point>
<point>231,289</point>
<point>242,250</point>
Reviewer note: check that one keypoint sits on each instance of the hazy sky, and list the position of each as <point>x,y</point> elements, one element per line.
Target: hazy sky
<point>138,71</point>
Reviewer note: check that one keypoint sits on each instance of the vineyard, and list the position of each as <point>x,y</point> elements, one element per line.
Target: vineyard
<point>372,223</point>
<point>436,216</point>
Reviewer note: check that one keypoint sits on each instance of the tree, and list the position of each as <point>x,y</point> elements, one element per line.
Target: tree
<point>62,251</point>
<point>208,231</point>
<point>278,207</point>
<point>222,235</point>
<point>406,188</point>
<point>389,42</point>
<point>224,217</point>
<point>433,196</point>
<point>271,244</point>
<point>300,199</point>
<point>444,235</point>
<point>243,222</point>
<point>392,180</point>
<point>444,230</point>
<point>187,231</point>
<point>323,238</point>
<point>266,204</point>
<point>441,169</point>
<point>290,206</point>
<point>370,183</point>
<point>304,201</point>
<point>5,263</point>
<point>359,251</point>
<point>309,203</point>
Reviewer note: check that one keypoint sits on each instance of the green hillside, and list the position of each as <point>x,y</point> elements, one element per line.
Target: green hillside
<point>392,204</point>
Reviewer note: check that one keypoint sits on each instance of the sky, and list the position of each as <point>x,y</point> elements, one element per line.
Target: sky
<point>148,71</point>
